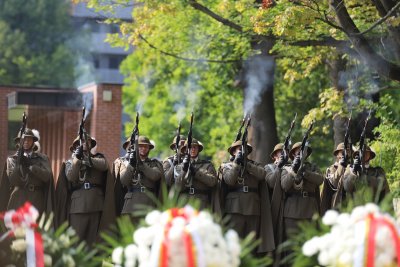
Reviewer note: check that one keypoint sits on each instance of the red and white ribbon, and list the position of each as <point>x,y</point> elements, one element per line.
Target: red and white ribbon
<point>26,217</point>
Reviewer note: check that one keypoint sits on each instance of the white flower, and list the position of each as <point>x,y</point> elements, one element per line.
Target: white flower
<point>68,260</point>
<point>330,217</point>
<point>48,261</point>
<point>130,263</point>
<point>323,258</point>
<point>372,208</point>
<point>117,255</point>
<point>144,235</point>
<point>344,220</point>
<point>311,246</point>
<point>232,236</point>
<point>359,213</point>
<point>19,232</point>
<point>131,253</point>
<point>153,217</point>
<point>19,245</point>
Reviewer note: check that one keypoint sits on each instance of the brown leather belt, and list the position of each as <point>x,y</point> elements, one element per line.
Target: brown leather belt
<point>301,194</point>
<point>195,191</point>
<point>244,189</point>
<point>141,189</point>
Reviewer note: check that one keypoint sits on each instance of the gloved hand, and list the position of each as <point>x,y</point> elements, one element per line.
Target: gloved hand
<point>175,160</point>
<point>343,162</point>
<point>185,163</point>
<point>79,152</point>
<point>296,164</point>
<point>239,158</point>
<point>282,161</point>
<point>132,159</point>
<point>357,165</point>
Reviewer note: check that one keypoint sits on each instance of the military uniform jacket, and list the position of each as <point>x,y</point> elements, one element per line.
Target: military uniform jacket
<point>273,179</point>
<point>31,181</point>
<point>77,193</point>
<point>302,200</point>
<point>200,183</point>
<point>256,201</point>
<point>332,192</point>
<point>372,177</point>
<point>169,171</point>
<point>138,185</point>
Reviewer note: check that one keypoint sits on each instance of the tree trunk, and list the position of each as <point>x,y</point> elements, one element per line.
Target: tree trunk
<point>259,100</point>
<point>361,44</point>
<point>337,68</point>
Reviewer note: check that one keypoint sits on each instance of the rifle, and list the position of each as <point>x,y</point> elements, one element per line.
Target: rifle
<point>244,147</point>
<point>239,134</point>
<point>362,146</point>
<point>21,138</point>
<point>83,137</point>
<point>189,146</point>
<point>134,143</point>
<point>347,143</point>
<point>304,146</point>
<point>286,144</point>
<point>177,141</point>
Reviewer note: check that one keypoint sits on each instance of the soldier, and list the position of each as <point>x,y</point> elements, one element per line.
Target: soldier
<point>170,162</point>
<point>27,176</point>
<point>374,178</point>
<point>141,183</point>
<point>333,194</point>
<point>85,191</point>
<point>301,186</point>
<point>273,179</point>
<point>245,198</point>
<point>197,178</point>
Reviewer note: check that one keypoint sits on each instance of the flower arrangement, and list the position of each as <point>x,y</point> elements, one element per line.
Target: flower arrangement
<point>180,237</point>
<point>365,237</point>
<point>39,244</point>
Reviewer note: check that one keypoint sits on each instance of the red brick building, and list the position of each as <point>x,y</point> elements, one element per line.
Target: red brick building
<point>56,114</point>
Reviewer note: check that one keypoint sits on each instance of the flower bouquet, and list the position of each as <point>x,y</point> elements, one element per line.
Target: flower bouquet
<point>364,237</point>
<point>181,237</point>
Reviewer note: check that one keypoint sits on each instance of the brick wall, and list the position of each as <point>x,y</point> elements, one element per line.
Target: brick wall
<point>105,118</point>
<point>59,126</point>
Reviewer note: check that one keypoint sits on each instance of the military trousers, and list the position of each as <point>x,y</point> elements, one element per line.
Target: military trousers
<point>244,224</point>
<point>86,225</point>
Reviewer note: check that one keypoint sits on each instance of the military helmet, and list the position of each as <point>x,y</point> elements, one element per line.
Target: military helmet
<point>28,133</point>
<point>194,142</point>
<point>182,139</point>
<point>142,140</point>
<point>276,148</point>
<point>75,143</point>
<point>232,148</point>
<point>340,147</point>
<point>367,149</point>
<point>298,145</point>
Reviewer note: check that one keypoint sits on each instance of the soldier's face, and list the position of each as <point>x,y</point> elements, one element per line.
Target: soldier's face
<point>237,149</point>
<point>339,155</point>
<point>28,142</point>
<point>367,156</point>
<point>144,150</point>
<point>297,151</point>
<point>277,154</point>
<point>194,152</point>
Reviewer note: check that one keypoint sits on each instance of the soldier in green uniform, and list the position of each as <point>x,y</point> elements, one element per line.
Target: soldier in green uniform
<point>301,186</point>
<point>141,181</point>
<point>84,191</point>
<point>357,177</point>
<point>28,179</point>
<point>196,178</point>
<point>333,193</point>
<point>170,162</point>
<point>246,199</point>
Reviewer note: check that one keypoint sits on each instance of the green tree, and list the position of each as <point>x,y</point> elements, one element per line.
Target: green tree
<point>35,43</point>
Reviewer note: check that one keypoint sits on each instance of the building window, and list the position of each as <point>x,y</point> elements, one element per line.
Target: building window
<point>114,61</point>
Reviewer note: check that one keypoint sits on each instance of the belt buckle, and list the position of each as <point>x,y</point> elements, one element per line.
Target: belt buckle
<point>86,186</point>
<point>245,188</point>
<point>142,189</point>
<point>304,193</point>
<point>191,190</point>
<point>31,187</point>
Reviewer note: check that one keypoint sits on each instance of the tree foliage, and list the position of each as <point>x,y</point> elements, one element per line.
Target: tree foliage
<point>34,38</point>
